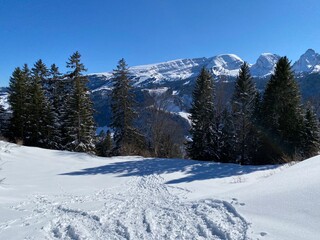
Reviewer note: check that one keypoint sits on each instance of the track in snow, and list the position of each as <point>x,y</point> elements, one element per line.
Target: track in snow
<point>143,208</point>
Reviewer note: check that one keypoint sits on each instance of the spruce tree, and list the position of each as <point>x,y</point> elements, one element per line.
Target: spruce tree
<point>243,109</point>
<point>311,140</point>
<point>57,102</point>
<point>204,144</point>
<point>18,91</point>
<point>79,121</point>
<point>227,141</point>
<point>282,116</point>
<point>39,123</point>
<point>127,139</point>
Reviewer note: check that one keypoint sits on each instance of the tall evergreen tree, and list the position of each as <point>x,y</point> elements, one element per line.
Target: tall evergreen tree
<point>311,140</point>
<point>204,144</point>
<point>18,91</point>
<point>57,103</point>
<point>79,117</point>
<point>127,138</point>
<point>39,112</point>
<point>282,113</point>
<point>243,109</point>
<point>227,140</point>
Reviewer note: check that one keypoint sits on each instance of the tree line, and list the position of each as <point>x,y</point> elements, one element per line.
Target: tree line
<point>54,110</point>
<point>50,109</point>
<point>254,128</point>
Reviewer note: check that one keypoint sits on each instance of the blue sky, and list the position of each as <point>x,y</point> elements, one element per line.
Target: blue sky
<point>150,31</point>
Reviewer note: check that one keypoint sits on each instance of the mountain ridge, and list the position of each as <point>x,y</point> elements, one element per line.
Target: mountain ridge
<point>223,65</point>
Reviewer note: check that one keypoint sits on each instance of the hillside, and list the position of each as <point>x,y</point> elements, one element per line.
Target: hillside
<point>62,195</point>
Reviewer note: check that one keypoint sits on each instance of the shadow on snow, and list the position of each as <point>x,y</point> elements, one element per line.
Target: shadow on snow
<point>194,170</point>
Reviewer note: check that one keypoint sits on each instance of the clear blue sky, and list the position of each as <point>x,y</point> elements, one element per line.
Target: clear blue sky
<point>149,31</point>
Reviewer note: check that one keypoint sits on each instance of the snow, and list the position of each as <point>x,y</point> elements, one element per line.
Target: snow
<point>225,64</point>
<point>265,65</point>
<point>308,62</point>
<point>4,100</point>
<point>50,194</point>
<point>220,65</point>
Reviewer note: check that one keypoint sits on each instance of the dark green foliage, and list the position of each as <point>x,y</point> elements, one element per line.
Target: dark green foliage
<point>57,93</point>
<point>204,144</point>
<point>244,102</point>
<point>128,140</point>
<point>104,144</point>
<point>39,125</point>
<point>79,124</point>
<point>227,151</point>
<point>3,121</point>
<point>282,117</point>
<point>18,90</point>
<point>311,140</point>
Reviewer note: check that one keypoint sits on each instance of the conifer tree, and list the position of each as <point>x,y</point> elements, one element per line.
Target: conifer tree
<point>18,90</point>
<point>311,140</point>
<point>57,102</point>
<point>281,113</point>
<point>79,123</point>
<point>2,120</point>
<point>39,113</point>
<point>204,144</point>
<point>127,139</point>
<point>243,109</point>
<point>227,151</point>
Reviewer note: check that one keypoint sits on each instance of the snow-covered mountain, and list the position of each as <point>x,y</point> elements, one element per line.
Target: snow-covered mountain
<point>309,62</point>
<point>225,64</point>
<point>221,65</point>
<point>264,65</point>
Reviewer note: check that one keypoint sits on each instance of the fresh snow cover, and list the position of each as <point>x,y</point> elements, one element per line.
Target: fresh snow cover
<point>220,65</point>
<point>225,64</point>
<point>308,62</point>
<point>49,194</point>
<point>185,116</point>
<point>265,64</point>
<point>4,100</point>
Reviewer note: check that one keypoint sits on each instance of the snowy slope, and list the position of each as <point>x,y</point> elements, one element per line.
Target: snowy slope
<point>62,195</point>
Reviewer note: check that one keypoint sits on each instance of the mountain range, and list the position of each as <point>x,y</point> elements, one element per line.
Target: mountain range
<point>170,83</point>
<point>224,65</point>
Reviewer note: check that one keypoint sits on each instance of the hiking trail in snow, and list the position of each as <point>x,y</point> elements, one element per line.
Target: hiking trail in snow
<point>142,208</point>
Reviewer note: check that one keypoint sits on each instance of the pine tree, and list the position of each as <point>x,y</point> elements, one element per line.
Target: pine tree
<point>311,140</point>
<point>281,113</point>
<point>18,90</point>
<point>39,112</point>
<point>127,139</point>
<point>227,152</point>
<point>243,109</point>
<point>79,117</point>
<point>204,144</point>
